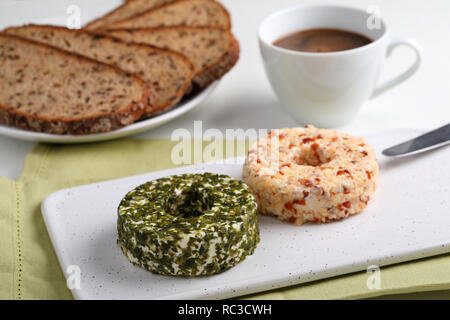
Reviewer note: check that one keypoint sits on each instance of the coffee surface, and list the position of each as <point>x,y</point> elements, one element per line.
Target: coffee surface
<point>322,40</point>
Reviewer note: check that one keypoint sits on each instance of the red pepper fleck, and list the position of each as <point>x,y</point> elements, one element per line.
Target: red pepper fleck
<point>346,190</point>
<point>258,160</point>
<point>291,146</point>
<point>306,182</point>
<point>369,175</point>
<point>286,165</point>
<point>361,144</point>
<point>307,140</point>
<point>317,180</point>
<point>280,172</point>
<point>347,204</point>
<point>301,202</point>
<point>345,171</point>
<point>289,206</point>
<point>365,201</point>
<point>334,139</point>
<point>364,153</point>
<point>315,146</point>
<point>320,190</point>
<point>305,193</point>
<point>281,136</point>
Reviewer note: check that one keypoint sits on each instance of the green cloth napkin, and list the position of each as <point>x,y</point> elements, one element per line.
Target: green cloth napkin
<point>28,265</point>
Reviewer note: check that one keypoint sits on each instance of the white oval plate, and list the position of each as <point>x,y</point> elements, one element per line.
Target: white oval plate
<point>182,107</point>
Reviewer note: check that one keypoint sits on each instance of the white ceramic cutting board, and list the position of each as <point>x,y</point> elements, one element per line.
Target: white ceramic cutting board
<point>409,218</point>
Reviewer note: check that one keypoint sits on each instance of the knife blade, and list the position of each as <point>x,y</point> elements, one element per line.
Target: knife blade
<point>431,140</point>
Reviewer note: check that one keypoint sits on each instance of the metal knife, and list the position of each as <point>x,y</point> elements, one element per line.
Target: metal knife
<point>431,140</point>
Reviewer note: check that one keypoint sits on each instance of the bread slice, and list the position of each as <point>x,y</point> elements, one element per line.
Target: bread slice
<point>214,51</point>
<point>194,13</point>
<point>127,10</point>
<point>49,90</point>
<point>169,73</point>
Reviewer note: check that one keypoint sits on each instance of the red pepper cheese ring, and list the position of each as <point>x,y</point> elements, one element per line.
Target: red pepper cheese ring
<point>310,174</point>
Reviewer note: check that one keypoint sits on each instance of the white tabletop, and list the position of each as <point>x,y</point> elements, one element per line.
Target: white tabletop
<point>244,98</point>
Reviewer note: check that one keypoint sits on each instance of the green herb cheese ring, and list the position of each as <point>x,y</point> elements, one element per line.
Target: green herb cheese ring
<point>188,225</point>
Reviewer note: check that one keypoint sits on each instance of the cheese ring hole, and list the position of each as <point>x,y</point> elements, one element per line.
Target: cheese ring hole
<point>312,155</point>
<point>191,203</point>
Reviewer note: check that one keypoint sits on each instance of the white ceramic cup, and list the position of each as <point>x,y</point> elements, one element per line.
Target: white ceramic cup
<point>328,89</point>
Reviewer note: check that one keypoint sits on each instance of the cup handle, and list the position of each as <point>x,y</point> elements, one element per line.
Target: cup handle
<point>395,42</point>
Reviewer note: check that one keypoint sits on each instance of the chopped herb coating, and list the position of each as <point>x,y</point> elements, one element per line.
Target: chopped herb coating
<point>188,225</point>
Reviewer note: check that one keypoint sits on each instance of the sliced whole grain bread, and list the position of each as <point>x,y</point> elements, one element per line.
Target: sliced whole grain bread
<point>214,51</point>
<point>45,89</point>
<point>127,10</point>
<point>194,13</point>
<point>168,72</point>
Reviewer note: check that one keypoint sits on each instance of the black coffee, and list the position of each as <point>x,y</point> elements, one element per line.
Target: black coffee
<point>322,40</point>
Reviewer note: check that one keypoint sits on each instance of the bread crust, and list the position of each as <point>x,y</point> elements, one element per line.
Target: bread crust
<point>103,122</point>
<point>224,10</point>
<point>90,125</point>
<point>213,72</point>
<point>91,25</point>
<point>221,67</point>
